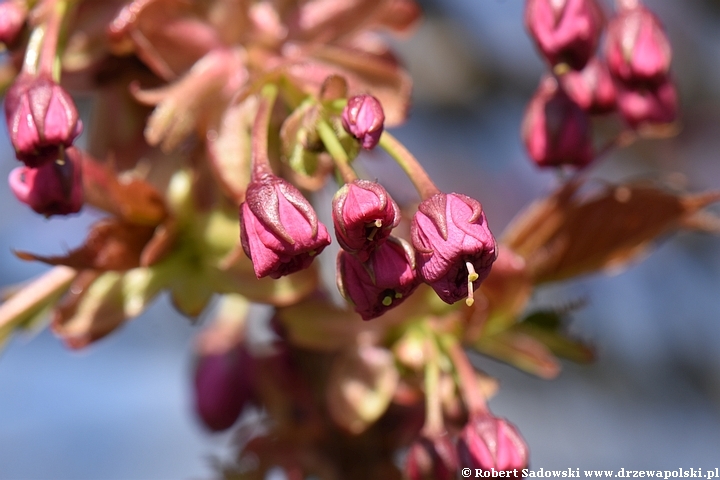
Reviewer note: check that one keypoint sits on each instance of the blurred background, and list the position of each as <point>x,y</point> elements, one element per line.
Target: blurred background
<point>122,409</point>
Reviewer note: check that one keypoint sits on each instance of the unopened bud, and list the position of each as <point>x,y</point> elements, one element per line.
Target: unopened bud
<point>364,119</point>
<point>12,19</point>
<point>53,188</point>
<point>41,118</point>
<point>556,131</point>
<point>592,88</point>
<point>637,48</point>
<point>488,443</point>
<point>648,104</point>
<point>565,31</point>
<point>432,459</point>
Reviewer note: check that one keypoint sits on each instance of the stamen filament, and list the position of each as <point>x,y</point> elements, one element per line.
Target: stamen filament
<point>472,276</point>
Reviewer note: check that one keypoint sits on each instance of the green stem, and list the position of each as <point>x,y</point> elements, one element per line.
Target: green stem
<point>32,54</point>
<point>433,409</point>
<point>469,388</point>
<point>418,176</point>
<point>48,63</point>
<point>336,150</point>
<point>260,158</point>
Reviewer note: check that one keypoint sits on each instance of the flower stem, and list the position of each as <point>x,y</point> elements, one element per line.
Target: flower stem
<point>48,63</point>
<point>471,393</point>
<point>433,409</point>
<point>418,176</point>
<point>337,152</point>
<point>260,158</point>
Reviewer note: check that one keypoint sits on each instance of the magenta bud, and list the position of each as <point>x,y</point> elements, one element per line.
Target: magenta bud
<point>53,188</point>
<point>455,248</point>
<point>222,386</point>
<point>280,231</point>
<point>432,459</point>
<point>381,283</point>
<point>363,118</point>
<point>556,131</point>
<point>12,19</point>
<point>41,118</point>
<point>648,104</point>
<point>565,31</point>
<point>591,88</point>
<point>488,443</point>
<point>636,48</point>
<point>363,215</point>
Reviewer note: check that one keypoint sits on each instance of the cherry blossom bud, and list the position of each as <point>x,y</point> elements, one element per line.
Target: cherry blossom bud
<point>432,459</point>
<point>363,118</point>
<point>648,104</point>
<point>280,231</point>
<point>53,188</point>
<point>637,48</point>
<point>12,19</point>
<point>222,386</point>
<point>455,248</point>
<point>41,118</point>
<point>381,283</point>
<point>565,31</point>
<point>364,215</point>
<point>488,443</point>
<point>592,88</point>
<point>556,131</point>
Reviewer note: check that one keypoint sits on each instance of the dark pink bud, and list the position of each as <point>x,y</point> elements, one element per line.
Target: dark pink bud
<point>364,215</point>
<point>53,188</point>
<point>556,131</point>
<point>363,118</point>
<point>12,19</point>
<point>41,118</point>
<point>432,459</point>
<point>488,443</point>
<point>280,231</point>
<point>648,104</point>
<point>637,49</point>
<point>455,248</point>
<point>591,88</point>
<point>222,386</point>
<point>381,283</point>
<point>565,31</point>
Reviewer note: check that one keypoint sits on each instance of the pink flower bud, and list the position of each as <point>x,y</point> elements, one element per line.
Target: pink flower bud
<point>222,386</point>
<point>455,248</point>
<point>637,49</point>
<point>12,19</point>
<point>556,131</point>
<point>592,88</point>
<point>41,118</point>
<point>363,118</point>
<point>565,31</point>
<point>648,104</point>
<point>488,443</point>
<point>280,231</point>
<point>364,215</point>
<point>53,188</point>
<point>381,283</point>
<point>431,459</point>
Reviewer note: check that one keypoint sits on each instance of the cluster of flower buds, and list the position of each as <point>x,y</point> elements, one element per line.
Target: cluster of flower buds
<point>43,123</point>
<point>484,443</point>
<point>630,76</point>
<point>453,247</point>
<point>375,270</point>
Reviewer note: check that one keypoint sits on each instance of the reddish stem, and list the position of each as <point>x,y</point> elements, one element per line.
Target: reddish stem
<point>260,158</point>
<point>469,388</point>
